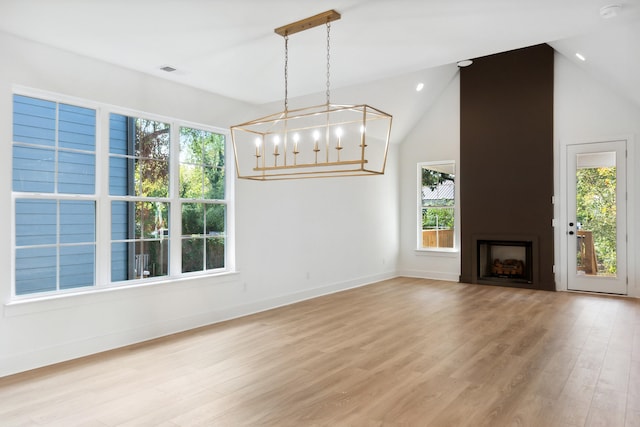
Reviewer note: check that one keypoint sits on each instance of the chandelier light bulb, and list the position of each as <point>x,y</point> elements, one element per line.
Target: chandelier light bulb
<point>296,138</point>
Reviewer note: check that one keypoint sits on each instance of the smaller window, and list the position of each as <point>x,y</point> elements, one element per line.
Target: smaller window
<point>436,205</point>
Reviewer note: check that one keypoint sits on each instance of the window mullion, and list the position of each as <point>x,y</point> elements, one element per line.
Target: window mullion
<point>103,203</point>
<point>175,208</point>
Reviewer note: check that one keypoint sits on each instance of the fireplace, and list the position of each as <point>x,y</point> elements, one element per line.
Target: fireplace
<point>507,168</point>
<point>504,261</point>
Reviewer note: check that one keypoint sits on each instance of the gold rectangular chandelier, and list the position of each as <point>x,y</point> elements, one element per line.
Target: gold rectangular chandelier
<point>326,140</point>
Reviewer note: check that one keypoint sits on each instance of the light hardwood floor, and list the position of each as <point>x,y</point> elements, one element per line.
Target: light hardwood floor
<point>405,352</point>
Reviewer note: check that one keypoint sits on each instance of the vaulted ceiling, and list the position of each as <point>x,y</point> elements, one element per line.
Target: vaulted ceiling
<point>230,48</point>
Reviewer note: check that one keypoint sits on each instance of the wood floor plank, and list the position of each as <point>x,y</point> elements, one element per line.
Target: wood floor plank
<point>402,352</point>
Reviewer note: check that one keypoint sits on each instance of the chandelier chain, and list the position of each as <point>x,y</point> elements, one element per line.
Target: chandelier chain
<point>328,60</point>
<point>286,72</point>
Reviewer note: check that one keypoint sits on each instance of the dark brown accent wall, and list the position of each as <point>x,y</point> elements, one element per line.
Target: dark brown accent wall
<point>506,156</point>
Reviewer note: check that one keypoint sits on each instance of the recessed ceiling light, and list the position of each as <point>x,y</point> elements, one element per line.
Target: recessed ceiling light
<point>168,68</point>
<point>465,63</point>
<point>580,56</point>
<point>610,11</point>
<point>419,87</point>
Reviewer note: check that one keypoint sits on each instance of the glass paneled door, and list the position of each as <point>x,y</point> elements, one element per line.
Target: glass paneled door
<point>596,228</point>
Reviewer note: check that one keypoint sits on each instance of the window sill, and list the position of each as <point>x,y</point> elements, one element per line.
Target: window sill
<point>446,253</point>
<point>36,304</point>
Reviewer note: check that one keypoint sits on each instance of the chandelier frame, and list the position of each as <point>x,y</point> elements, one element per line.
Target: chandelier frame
<point>366,131</point>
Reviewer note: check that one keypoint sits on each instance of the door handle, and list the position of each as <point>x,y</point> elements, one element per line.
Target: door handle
<point>571,233</point>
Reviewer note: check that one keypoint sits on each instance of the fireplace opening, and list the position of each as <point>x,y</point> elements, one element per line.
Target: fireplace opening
<point>505,261</point>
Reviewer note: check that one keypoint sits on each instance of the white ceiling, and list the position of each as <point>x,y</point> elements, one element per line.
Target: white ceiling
<point>229,47</point>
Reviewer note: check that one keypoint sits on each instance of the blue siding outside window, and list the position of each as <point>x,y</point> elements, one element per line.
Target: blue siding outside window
<point>34,121</point>
<point>36,222</point>
<point>118,186</point>
<point>118,166</point>
<point>33,169</point>
<point>54,148</point>
<point>35,270</point>
<point>55,241</point>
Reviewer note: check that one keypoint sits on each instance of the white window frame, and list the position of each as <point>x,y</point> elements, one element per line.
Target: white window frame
<point>456,213</point>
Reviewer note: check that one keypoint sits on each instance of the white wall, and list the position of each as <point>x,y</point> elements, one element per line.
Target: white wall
<point>436,137</point>
<point>295,239</point>
<point>588,110</point>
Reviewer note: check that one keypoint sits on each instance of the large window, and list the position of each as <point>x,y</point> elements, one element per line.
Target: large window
<point>436,206</point>
<point>160,197</point>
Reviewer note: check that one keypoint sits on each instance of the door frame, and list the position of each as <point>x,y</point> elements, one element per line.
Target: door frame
<point>560,221</point>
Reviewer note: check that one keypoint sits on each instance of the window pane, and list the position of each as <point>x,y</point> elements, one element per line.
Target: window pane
<point>215,219</point>
<point>214,183</point>
<point>76,173</point>
<point>151,178</point>
<point>118,134</point>
<point>77,221</point>
<point>215,253</point>
<point>201,220</point>
<point>191,181</point>
<point>192,219</point>
<point>34,121</point>
<point>139,162</point>
<point>33,169</point>
<point>35,270</point>
<point>76,128</point>
<point>152,220</point>
<point>35,222</point>
<point>77,264</point>
<point>143,250</point>
<point>120,261</point>
<point>120,214</point>
<point>596,188</point>
<point>192,254</point>
<point>119,172</point>
<point>152,139</point>
<point>139,259</point>
<point>437,228</point>
<point>153,258</point>
<point>202,155</point>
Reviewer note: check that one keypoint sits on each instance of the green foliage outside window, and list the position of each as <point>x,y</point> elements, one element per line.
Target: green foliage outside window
<point>437,212</point>
<point>202,182</point>
<point>596,212</point>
